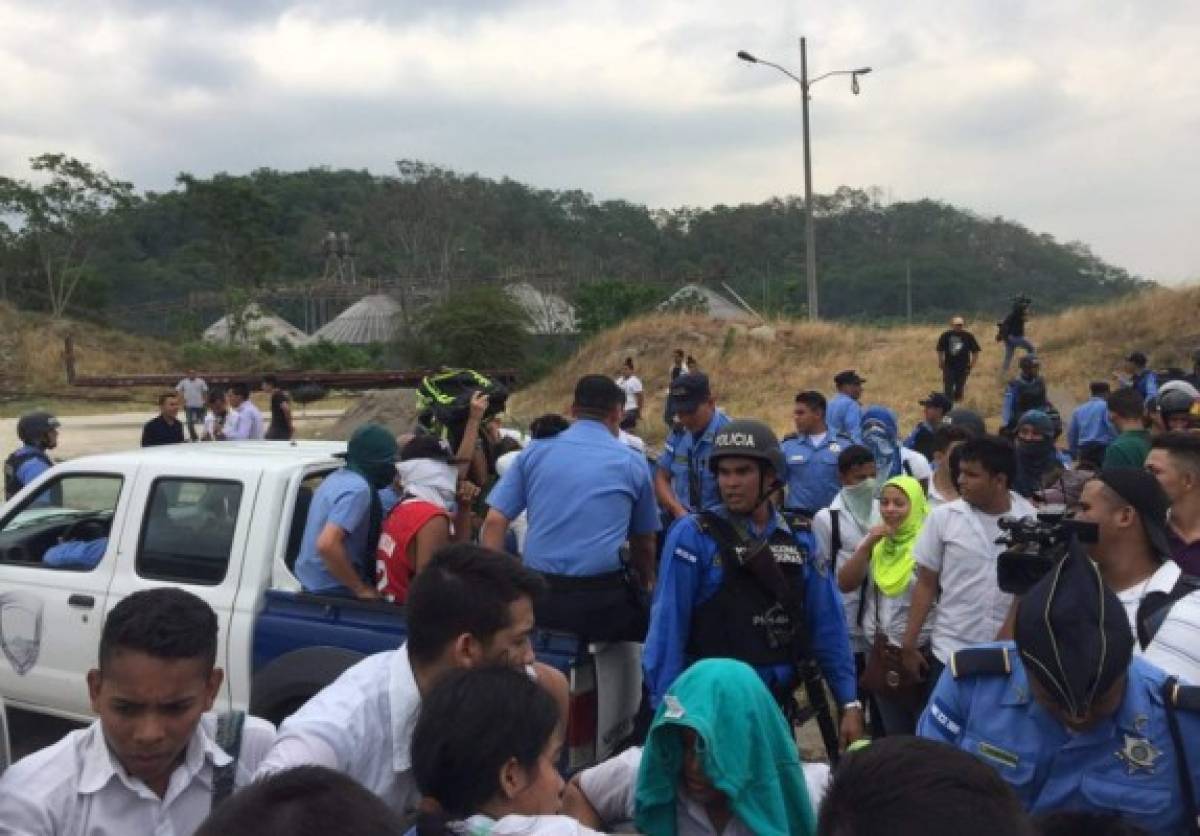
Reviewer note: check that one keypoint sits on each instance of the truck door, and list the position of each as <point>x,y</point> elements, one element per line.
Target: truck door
<point>57,556</point>
<point>192,534</point>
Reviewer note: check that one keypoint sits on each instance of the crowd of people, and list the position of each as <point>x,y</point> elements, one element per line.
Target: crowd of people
<point>845,572</point>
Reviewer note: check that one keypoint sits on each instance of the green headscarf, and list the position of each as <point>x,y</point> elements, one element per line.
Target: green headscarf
<point>371,453</point>
<point>748,754</point>
<point>892,559</point>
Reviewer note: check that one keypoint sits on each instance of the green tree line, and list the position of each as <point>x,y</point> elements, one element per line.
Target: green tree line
<point>77,241</point>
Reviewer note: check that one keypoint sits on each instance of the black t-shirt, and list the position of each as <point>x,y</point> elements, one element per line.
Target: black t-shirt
<point>1014,323</point>
<point>958,346</point>
<point>157,431</point>
<point>279,423</point>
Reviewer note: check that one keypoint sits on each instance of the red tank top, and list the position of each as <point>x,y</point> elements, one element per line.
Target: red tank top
<point>393,569</point>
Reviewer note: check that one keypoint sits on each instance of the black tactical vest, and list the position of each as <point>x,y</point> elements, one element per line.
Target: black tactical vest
<point>743,620</point>
<point>13,485</point>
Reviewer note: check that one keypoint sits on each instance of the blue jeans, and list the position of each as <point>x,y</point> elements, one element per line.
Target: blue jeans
<point>195,415</point>
<point>1011,344</point>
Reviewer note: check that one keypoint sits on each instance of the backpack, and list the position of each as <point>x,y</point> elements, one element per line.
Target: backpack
<point>444,399</point>
<point>1156,606</point>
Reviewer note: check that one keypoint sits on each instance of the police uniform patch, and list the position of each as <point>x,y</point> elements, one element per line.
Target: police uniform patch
<point>941,716</point>
<point>835,447</point>
<point>1138,753</point>
<point>684,554</point>
<point>998,755</point>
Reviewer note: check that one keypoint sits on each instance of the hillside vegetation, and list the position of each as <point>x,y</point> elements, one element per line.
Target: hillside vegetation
<point>753,377</point>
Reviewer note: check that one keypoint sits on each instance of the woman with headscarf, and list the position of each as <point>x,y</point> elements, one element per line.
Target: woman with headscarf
<point>719,759</point>
<point>885,559</point>
<point>881,435</point>
<point>1038,463</point>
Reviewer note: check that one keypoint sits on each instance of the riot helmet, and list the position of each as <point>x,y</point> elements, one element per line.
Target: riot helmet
<point>748,439</point>
<point>33,427</point>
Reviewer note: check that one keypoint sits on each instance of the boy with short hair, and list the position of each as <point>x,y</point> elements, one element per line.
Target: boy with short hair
<point>150,764</point>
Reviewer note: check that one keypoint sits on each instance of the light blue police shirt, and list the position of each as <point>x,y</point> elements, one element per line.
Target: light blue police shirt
<point>76,554</point>
<point>813,479</point>
<point>344,499</point>
<point>1090,425</point>
<point>32,468</point>
<point>691,573</point>
<point>586,494</point>
<point>684,451</point>
<point>1126,764</point>
<point>844,416</point>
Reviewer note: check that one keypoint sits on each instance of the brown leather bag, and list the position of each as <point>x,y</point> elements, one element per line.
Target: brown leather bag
<point>884,674</point>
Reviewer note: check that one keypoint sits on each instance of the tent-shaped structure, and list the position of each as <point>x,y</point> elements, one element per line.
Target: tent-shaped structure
<point>548,313</point>
<point>372,319</point>
<point>251,326</point>
<point>707,301</point>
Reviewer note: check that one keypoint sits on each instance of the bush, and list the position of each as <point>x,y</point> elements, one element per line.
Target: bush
<point>601,305</point>
<point>477,328</point>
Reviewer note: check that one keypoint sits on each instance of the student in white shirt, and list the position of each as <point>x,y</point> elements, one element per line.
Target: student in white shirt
<point>634,397</point>
<point>150,764</point>
<point>249,423</point>
<point>719,760</point>
<point>486,750</point>
<point>220,419</point>
<point>1132,552</point>
<point>942,487</point>
<point>957,553</point>
<point>470,606</point>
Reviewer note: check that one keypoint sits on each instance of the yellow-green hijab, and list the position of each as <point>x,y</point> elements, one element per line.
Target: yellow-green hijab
<point>892,558</point>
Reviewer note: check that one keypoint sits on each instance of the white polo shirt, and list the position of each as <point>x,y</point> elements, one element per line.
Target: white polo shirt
<point>959,543</point>
<point>852,533</point>
<point>633,387</point>
<point>361,724</point>
<point>77,786</point>
<point>1176,646</point>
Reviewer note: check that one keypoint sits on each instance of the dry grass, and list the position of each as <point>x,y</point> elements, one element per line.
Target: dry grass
<point>754,378</point>
<point>31,352</point>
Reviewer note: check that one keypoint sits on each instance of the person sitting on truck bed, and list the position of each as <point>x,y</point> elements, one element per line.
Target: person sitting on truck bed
<point>151,763</point>
<point>81,547</point>
<point>470,607</point>
<point>337,552</point>
<point>419,524</point>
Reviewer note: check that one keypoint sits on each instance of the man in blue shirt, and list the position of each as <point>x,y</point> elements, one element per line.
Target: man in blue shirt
<point>76,554</point>
<point>586,494</point>
<point>1138,377</point>
<point>38,432</point>
<point>337,552</point>
<point>1024,392</point>
<point>683,482</point>
<point>920,439</point>
<point>844,415</point>
<point>709,604</point>
<point>1067,715</point>
<point>812,457</point>
<point>1090,426</point>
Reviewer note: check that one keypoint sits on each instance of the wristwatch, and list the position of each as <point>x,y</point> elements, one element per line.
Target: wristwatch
<point>853,704</point>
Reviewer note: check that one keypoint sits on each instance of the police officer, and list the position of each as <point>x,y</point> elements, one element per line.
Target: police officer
<point>1067,715</point>
<point>586,494</point>
<point>1024,392</point>
<point>845,414</point>
<point>683,482</point>
<point>812,457</point>
<point>708,603</point>
<point>39,432</point>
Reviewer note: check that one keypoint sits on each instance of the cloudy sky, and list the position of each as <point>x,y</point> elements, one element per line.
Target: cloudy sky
<point>1080,119</point>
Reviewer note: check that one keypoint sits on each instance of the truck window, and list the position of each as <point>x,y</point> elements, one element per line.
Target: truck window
<point>187,530</point>
<point>65,525</point>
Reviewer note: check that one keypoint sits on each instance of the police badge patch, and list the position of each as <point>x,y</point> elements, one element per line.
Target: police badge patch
<point>21,629</point>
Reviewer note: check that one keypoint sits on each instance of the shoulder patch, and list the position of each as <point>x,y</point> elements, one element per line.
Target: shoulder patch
<point>683,554</point>
<point>981,661</point>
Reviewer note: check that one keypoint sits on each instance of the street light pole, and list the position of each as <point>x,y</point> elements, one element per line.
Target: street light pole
<point>810,233</point>
<point>810,238</point>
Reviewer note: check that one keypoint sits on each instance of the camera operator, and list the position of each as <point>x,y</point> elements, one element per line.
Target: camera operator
<point>1132,552</point>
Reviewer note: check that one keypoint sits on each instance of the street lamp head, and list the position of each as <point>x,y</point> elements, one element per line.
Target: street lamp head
<point>862,71</point>
<point>854,79</point>
<point>746,56</point>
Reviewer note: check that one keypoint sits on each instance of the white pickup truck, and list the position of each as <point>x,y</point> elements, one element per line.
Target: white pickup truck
<point>224,521</point>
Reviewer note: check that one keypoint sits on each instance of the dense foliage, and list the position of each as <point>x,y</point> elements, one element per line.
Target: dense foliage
<point>444,229</point>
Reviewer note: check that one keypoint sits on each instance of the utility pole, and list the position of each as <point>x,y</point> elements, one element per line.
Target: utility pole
<point>810,234</point>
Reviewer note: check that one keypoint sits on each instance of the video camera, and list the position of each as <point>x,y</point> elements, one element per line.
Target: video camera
<point>1035,546</point>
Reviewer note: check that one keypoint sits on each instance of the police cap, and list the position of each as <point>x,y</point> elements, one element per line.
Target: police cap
<point>1073,634</point>
<point>33,426</point>
<point>748,439</point>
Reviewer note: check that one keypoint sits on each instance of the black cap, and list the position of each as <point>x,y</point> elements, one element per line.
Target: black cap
<point>689,391</point>
<point>598,392</point>
<point>968,420</point>
<point>847,377</point>
<point>1136,357</point>
<point>1073,634</point>
<point>1030,360</point>
<point>938,400</point>
<point>1145,495</point>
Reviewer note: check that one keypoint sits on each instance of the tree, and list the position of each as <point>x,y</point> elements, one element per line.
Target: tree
<point>237,221</point>
<point>600,305</point>
<point>64,219</point>
<point>479,328</point>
